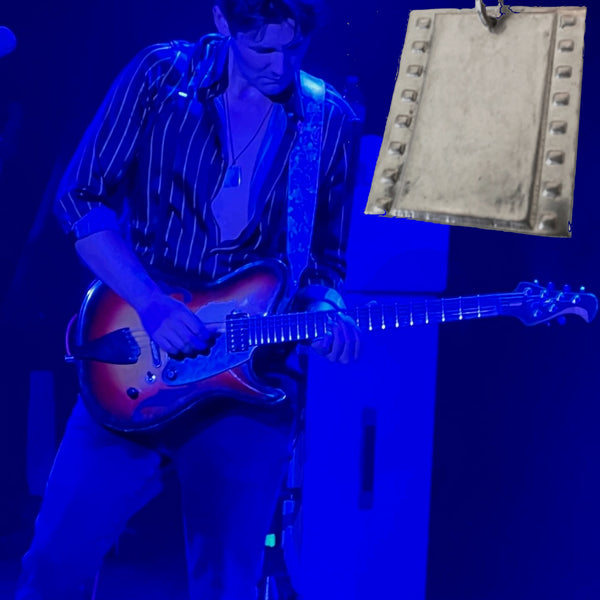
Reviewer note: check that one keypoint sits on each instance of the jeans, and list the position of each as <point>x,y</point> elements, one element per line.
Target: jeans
<point>230,469</point>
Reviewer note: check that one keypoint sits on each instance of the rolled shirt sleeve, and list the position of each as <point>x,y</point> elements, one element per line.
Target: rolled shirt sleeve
<point>86,201</point>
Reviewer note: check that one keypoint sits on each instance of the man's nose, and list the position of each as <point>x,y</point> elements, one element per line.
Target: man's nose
<point>278,64</point>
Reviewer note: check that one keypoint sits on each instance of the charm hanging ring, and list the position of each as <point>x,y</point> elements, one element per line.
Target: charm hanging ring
<point>488,22</point>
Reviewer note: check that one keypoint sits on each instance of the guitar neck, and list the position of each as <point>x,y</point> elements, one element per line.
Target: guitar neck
<point>426,312</point>
<point>245,331</point>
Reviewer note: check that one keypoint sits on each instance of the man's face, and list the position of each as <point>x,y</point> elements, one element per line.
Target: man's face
<point>269,59</point>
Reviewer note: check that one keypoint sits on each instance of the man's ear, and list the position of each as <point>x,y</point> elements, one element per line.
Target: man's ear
<point>220,21</point>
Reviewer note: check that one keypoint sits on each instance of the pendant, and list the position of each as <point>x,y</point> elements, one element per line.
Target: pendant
<point>233,176</point>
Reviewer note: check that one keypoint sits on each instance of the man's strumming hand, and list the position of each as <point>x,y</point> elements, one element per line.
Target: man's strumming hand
<point>173,326</point>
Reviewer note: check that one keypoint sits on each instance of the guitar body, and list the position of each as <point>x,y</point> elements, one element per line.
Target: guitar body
<point>156,388</point>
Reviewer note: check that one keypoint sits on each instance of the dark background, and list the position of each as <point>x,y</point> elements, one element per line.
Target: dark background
<point>516,455</point>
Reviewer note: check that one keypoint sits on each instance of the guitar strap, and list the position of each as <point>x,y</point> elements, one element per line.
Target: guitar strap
<point>303,183</point>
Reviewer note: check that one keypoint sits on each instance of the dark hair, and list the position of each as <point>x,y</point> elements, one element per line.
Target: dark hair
<point>253,15</point>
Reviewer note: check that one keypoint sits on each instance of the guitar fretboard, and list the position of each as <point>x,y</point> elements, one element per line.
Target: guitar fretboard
<point>245,331</point>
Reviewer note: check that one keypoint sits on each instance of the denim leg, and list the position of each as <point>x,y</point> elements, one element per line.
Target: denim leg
<point>98,481</point>
<point>231,475</point>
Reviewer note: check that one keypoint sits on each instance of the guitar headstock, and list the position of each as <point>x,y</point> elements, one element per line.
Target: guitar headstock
<point>541,304</point>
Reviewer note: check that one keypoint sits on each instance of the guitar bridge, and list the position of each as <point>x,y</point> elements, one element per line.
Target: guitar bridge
<point>237,331</point>
<point>117,347</point>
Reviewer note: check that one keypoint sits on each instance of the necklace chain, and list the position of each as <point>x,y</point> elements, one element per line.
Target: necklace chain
<point>229,130</point>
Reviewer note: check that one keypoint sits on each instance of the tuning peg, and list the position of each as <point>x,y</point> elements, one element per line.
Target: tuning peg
<point>551,286</point>
<point>536,281</point>
<point>582,288</point>
<point>566,287</point>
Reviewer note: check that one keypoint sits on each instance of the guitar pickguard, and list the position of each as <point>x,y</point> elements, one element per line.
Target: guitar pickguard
<point>191,370</point>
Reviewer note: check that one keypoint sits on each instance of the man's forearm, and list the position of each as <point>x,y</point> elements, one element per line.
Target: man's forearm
<point>112,260</point>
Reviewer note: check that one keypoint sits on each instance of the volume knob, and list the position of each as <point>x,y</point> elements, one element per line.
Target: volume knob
<point>170,374</point>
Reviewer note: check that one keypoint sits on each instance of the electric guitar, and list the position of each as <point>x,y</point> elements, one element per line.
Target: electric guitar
<point>130,384</point>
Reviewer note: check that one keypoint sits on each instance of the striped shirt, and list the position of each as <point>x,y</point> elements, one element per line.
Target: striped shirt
<point>155,156</point>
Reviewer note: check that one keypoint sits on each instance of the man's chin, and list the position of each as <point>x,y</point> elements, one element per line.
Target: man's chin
<point>276,89</point>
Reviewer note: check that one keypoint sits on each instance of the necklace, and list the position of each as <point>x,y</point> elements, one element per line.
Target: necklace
<point>233,175</point>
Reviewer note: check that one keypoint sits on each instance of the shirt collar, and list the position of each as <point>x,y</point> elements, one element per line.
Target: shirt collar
<point>210,74</point>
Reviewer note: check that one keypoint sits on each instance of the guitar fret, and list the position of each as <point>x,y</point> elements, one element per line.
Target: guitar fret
<point>245,331</point>
<point>257,330</point>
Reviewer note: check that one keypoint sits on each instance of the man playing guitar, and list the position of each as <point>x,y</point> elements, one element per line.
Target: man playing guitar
<point>182,180</point>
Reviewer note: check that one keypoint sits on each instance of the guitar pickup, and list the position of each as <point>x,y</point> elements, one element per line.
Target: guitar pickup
<point>238,332</point>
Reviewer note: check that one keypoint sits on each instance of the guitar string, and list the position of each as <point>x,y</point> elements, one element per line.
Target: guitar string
<point>464,310</point>
<point>141,337</point>
<point>447,302</point>
<point>379,307</point>
<point>406,310</point>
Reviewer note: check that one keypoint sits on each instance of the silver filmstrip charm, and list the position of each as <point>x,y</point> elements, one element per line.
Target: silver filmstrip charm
<point>483,125</point>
